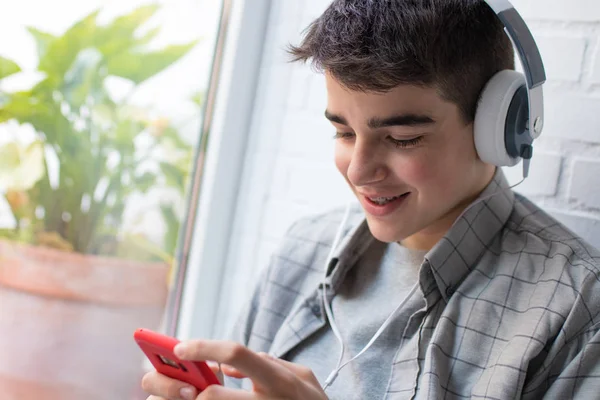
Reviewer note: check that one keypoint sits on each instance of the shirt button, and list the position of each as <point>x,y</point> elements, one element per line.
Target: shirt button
<point>316,309</point>
<point>449,291</point>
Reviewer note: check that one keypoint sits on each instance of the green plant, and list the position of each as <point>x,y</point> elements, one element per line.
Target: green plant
<point>105,150</point>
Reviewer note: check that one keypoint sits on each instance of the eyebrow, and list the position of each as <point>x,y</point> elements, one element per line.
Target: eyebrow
<point>396,120</point>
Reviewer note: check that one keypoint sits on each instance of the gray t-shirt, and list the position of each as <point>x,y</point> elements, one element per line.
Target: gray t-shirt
<point>370,292</point>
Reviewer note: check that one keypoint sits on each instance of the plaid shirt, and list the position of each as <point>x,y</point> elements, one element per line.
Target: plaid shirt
<point>512,302</point>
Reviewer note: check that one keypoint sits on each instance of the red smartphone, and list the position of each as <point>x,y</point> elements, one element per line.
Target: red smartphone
<point>159,350</point>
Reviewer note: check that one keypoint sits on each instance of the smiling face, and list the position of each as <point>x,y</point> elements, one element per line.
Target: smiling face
<point>409,158</point>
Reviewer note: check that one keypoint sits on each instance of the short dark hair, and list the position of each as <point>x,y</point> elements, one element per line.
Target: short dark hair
<point>376,45</point>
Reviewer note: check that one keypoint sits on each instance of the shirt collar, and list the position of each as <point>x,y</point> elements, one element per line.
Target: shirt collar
<point>355,241</point>
<point>455,255</point>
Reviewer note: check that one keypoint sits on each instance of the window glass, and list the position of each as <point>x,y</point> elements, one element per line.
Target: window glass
<point>101,105</point>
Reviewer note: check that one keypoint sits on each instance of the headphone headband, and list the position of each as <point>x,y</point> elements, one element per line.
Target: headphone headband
<point>531,60</point>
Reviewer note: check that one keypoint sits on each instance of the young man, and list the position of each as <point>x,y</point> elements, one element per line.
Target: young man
<point>488,297</point>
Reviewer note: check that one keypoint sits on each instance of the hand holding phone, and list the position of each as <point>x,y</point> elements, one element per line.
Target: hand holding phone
<point>159,350</point>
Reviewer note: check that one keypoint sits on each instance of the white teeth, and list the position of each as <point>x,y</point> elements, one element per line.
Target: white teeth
<point>383,200</point>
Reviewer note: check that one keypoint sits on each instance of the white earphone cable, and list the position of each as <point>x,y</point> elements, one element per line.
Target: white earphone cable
<point>382,328</point>
<point>334,328</point>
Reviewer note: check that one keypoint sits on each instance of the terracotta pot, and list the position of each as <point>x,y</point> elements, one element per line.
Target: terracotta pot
<point>67,320</point>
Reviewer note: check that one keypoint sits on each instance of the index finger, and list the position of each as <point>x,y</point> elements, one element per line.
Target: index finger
<point>261,371</point>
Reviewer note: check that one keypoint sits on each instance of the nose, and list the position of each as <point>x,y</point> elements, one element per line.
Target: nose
<point>366,165</point>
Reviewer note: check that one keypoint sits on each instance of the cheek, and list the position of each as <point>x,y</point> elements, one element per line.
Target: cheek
<point>429,174</point>
<point>416,170</point>
<point>342,158</point>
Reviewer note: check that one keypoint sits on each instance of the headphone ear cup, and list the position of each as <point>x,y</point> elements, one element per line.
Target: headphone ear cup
<point>491,126</point>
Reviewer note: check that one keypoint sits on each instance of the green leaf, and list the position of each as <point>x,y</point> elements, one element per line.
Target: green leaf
<point>198,99</point>
<point>46,88</point>
<point>138,67</point>
<point>62,51</point>
<point>145,182</point>
<point>44,116</point>
<point>129,23</point>
<point>10,234</point>
<point>84,79</point>
<point>147,37</point>
<point>42,40</point>
<point>172,134</point>
<point>18,235</point>
<point>126,132</point>
<point>175,177</point>
<point>119,36</point>
<point>172,232</point>
<point>8,67</point>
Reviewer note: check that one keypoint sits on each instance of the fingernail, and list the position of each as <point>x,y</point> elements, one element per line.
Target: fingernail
<point>213,364</point>
<point>187,393</point>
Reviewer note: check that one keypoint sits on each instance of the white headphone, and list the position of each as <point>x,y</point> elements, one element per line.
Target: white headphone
<point>509,117</point>
<point>510,113</point>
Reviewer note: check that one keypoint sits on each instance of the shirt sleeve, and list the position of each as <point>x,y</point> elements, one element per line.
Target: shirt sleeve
<point>579,379</point>
<point>240,332</point>
<point>571,369</point>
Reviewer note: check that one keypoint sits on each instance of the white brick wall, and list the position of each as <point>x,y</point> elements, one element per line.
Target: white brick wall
<point>289,168</point>
<point>585,183</point>
<point>563,56</point>
<point>595,75</point>
<point>572,113</point>
<point>544,175</point>
<point>558,10</point>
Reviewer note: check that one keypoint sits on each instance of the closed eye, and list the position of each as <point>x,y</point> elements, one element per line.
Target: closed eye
<point>406,143</point>
<point>343,135</point>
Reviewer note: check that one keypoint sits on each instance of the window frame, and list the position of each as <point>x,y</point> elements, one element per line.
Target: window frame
<point>205,235</point>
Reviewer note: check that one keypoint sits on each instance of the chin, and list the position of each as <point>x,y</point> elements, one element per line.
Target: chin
<point>385,231</point>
